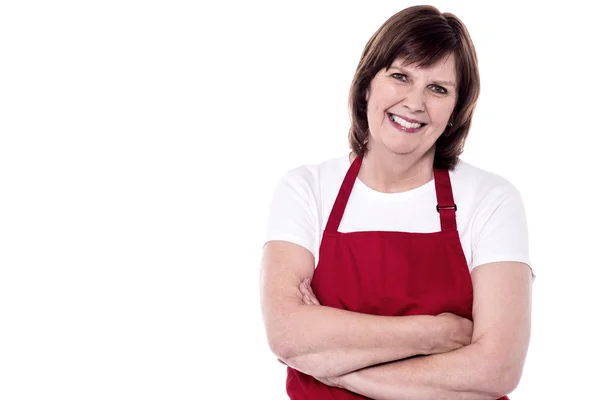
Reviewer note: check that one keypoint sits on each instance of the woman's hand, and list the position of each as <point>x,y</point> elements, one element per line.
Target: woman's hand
<point>308,297</point>
<point>455,332</point>
<point>333,381</point>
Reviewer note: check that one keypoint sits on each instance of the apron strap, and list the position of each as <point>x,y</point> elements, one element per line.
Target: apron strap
<point>443,190</point>
<point>446,206</point>
<point>337,212</point>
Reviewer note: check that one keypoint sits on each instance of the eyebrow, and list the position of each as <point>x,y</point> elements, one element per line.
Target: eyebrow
<point>401,68</point>
<point>447,83</point>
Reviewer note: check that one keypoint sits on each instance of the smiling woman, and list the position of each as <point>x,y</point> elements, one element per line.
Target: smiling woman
<point>399,270</point>
<point>412,101</point>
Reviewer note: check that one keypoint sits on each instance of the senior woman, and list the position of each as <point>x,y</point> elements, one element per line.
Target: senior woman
<point>399,271</point>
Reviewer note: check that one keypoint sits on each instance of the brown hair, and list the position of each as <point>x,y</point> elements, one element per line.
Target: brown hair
<point>423,36</point>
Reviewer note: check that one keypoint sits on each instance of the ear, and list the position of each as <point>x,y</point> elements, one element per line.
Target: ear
<point>367,93</point>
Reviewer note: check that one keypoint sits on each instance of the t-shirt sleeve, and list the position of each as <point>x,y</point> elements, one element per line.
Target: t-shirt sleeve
<point>500,231</point>
<point>291,215</point>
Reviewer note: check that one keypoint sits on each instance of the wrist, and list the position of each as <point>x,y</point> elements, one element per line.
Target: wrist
<point>352,381</point>
<point>343,380</point>
<point>432,335</point>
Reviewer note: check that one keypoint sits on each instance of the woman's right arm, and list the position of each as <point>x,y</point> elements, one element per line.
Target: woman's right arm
<point>325,341</point>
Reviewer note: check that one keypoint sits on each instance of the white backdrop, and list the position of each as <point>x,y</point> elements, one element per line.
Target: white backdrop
<point>140,143</point>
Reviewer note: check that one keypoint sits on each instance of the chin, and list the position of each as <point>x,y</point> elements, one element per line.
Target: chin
<point>397,147</point>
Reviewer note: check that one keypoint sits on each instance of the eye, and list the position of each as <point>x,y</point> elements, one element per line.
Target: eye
<point>438,89</point>
<point>400,77</point>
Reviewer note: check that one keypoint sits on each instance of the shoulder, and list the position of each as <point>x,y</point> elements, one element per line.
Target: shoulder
<point>478,184</point>
<point>313,177</point>
<point>467,173</point>
<point>495,214</point>
<point>296,206</point>
<point>307,186</point>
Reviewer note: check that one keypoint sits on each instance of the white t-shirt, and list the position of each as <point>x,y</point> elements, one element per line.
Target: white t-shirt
<point>490,218</point>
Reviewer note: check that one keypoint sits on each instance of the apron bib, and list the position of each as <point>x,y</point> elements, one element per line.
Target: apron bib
<point>387,273</point>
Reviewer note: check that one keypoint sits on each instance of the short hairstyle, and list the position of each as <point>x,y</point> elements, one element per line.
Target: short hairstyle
<point>423,36</point>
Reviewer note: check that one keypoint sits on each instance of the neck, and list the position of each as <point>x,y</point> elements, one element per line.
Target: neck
<point>393,173</point>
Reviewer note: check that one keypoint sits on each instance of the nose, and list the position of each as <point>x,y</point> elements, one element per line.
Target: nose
<point>414,100</point>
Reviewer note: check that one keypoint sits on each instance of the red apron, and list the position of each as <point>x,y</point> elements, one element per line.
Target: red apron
<point>387,273</point>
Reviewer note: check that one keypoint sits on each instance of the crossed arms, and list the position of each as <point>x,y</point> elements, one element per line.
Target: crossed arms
<point>367,354</point>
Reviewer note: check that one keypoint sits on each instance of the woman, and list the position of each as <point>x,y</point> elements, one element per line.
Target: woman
<point>422,285</point>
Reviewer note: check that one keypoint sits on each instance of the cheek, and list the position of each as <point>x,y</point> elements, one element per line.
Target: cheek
<point>441,113</point>
<point>381,96</point>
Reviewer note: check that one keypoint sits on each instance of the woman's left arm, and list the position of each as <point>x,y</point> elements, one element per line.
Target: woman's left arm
<point>489,368</point>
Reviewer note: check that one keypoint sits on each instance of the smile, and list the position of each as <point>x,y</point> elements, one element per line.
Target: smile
<point>402,122</point>
<point>403,125</point>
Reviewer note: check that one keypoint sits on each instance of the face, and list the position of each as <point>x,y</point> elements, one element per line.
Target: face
<point>408,108</point>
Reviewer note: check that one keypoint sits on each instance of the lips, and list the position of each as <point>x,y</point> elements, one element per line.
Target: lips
<point>405,124</point>
<point>404,121</point>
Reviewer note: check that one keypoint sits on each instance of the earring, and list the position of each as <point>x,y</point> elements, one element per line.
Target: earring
<point>447,133</point>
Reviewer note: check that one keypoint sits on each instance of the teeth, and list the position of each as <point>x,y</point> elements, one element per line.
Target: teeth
<point>404,123</point>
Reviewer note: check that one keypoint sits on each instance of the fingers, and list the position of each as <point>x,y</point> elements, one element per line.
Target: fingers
<point>308,297</point>
<point>311,294</point>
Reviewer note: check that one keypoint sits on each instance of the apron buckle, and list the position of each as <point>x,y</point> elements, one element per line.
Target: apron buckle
<point>437,207</point>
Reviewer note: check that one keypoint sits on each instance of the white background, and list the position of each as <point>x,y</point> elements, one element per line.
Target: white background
<point>140,143</point>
